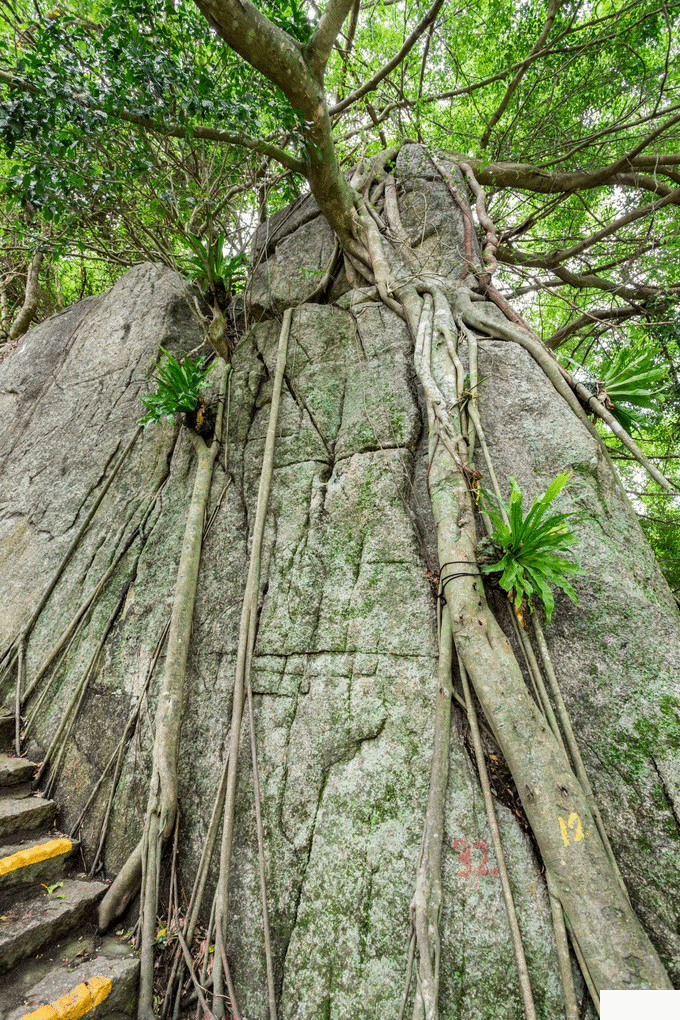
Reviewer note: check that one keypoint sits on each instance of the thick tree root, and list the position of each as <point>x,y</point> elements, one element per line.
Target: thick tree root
<point>271,991</point>
<point>517,944</point>
<point>571,1011</point>
<point>55,752</point>
<point>617,951</point>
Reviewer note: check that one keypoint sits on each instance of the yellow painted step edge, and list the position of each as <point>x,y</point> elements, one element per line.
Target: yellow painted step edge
<point>76,1003</point>
<point>34,854</point>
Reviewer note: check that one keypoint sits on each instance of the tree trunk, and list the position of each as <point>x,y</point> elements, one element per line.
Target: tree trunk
<point>24,316</point>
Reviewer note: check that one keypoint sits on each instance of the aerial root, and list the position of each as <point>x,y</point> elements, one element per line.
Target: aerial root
<point>572,745</point>
<point>271,991</point>
<point>197,894</point>
<point>437,315</point>
<point>423,351</point>
<point>55,752</point>
<point>450,510</point>
<point>427,898</point>
<point>395,225</point>
<point>118,757</point>
<point>571,1011</point>
<point>516,935</point>
<point>63,642</point>
<point>21,654</point>
<point>485,220</point>
<point>478,318</point>
<point>60,648</point>
<point>373,243</point>
<point>9,655</point>
<point>246,643</point>
<point>454,494</point>
<point>143,865</point>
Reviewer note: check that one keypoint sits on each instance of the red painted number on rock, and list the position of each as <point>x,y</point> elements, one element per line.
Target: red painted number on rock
<point>462,848</point>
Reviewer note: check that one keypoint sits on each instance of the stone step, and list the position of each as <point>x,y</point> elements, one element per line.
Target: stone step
<point>6,728</point>
<point>67,954</point>
<point>101,987</point>
<point>16,770</point>
<point>29,925</point>
<point>22,813</point>
<point>34,861</point>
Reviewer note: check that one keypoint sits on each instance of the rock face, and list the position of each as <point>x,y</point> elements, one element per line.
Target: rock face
<point>345,660</point>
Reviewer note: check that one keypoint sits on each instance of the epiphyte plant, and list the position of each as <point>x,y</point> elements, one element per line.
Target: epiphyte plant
<point>179,389</point>
<point>633,378</point>
<point>210,267</point>
<point>532,549</point>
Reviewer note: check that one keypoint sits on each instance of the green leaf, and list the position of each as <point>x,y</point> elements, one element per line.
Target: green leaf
<point>52,888</point>
<point>533,547</point>
<point>179,388</point>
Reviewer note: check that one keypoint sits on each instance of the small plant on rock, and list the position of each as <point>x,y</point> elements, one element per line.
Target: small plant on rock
<point>179,391</point>
<point>220,275</point>
<point>532,549</point>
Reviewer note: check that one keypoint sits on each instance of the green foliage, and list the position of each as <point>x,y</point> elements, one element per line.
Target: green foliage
<point>631,379</point>
<point>209,265</point>
<point>179,388</point>
<point>51,889</point>
<point>291,17</point>
<point>533,548</point>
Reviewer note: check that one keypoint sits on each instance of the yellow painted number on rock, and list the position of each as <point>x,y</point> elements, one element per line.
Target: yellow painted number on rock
<point>573,823</point>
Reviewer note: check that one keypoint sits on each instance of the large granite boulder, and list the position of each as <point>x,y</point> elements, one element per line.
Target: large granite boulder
<point>344,672</point>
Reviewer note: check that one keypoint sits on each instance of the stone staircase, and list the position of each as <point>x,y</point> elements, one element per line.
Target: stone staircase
<point>53,965</point>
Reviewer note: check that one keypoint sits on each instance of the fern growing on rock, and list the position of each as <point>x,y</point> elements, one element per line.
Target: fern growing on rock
<point>533,549</point>
<point>179,391</point>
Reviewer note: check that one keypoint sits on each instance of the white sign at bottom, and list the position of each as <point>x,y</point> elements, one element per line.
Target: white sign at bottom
<point>661,1004</point>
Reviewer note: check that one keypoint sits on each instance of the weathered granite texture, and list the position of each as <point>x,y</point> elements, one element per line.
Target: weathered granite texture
<point>345,659</point>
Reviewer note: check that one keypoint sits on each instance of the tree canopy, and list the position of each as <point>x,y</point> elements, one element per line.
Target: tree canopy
<point>129,128</point>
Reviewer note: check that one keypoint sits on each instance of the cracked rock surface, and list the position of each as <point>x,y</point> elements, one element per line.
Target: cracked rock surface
<point>344,673</point>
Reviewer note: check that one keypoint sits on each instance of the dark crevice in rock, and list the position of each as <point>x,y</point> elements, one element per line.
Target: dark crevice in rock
<point>670,803</point>
<point>302,404</point>
<point>303,865</point>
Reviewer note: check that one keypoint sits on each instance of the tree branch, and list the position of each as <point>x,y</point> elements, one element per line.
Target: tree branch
<point>588,319</point>
<point>318,49</point>
<point>275,152</point>
<point>612,228</point>
<point>373,82</point>
<point>266,47</point>
<point>580,281</point>
<point>31,294</point>
<point>270,149</point>
<point>280,59</point>
<point>642,181</point>
<point>547,182</point>
<point>612,129</point>
<point>512,87</point>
